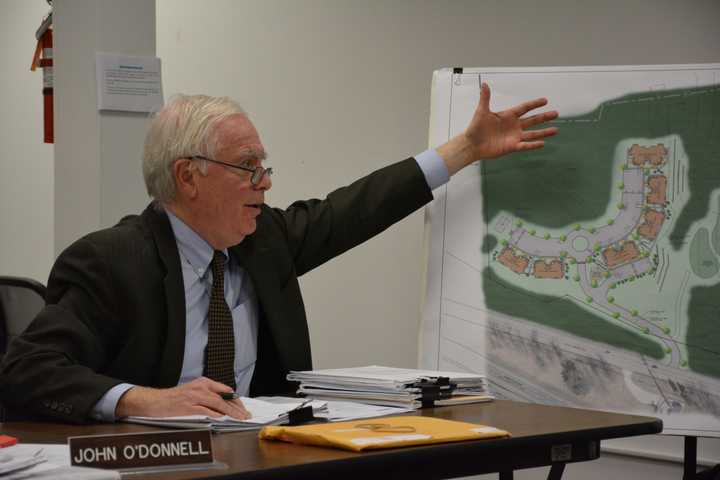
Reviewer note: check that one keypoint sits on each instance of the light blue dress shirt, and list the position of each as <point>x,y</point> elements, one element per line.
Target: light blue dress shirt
<point>195,257</point>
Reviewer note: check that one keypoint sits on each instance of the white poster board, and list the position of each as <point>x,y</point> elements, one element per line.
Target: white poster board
<point>588,273</point>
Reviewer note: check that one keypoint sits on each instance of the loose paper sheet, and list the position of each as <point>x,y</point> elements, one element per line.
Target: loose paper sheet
<point>127,83</point>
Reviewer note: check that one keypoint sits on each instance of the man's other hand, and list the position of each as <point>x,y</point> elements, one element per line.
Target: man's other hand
<point>199,397</point>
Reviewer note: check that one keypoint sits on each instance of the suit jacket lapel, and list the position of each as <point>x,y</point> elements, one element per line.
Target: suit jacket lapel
<point>250,257</point>
<point>254,259</point>
<point>174,348</point>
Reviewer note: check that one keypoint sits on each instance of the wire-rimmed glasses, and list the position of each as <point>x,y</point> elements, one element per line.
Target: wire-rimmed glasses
<point>258,172</point>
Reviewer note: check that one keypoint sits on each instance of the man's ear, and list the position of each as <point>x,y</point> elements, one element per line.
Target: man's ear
<point>185,172</point>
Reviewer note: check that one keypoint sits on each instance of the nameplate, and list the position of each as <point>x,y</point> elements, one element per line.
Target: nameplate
<point>140,450</point>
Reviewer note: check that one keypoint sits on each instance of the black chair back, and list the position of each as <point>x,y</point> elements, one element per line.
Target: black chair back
<point>21,299</point>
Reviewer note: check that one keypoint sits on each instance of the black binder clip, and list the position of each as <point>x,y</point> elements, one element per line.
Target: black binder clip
<point>298,416</point>
<point>303,415</point>
<point>438,389</point>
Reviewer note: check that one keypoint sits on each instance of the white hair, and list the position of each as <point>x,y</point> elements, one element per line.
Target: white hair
<point>183,128</point>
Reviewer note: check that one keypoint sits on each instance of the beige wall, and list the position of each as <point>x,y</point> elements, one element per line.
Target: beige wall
<point>26,163</point>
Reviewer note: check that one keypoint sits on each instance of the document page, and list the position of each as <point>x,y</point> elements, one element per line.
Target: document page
<point>261,413</point>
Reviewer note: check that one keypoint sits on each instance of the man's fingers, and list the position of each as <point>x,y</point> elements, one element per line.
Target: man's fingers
<point>538,119</point>
<point>233,408</point>
<point>238,404</point>
<point>235,412</point>
<point>524,108</point>
<point>239,410</point>
<point>208,412</point>
<point>522,146</point>
<point>205,397</point>
<point>537,134</point>
<point>210,398</point>
<point>217,387</point>
<point>485,97</point>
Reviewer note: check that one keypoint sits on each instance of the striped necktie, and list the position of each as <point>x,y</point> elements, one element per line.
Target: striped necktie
<point>220,352</point>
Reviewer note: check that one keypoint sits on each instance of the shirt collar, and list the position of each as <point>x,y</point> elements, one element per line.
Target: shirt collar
<point>192,247</point>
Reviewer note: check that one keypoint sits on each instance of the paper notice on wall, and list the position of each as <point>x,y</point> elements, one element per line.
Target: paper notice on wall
<point>128,83</point>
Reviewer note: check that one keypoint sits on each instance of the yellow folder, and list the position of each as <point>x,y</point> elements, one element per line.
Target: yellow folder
<point>377,433</point>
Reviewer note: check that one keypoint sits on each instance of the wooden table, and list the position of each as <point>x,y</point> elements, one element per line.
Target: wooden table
<point>541,436</point>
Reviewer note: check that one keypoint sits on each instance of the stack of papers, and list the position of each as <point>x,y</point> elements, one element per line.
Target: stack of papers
<point>389,386</point>
<point>339,411</point>
<point>271,411</point>
<point>262,413</point>
<point>20,457</point>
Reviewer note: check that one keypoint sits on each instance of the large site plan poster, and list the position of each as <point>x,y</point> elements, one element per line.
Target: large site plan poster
<point>587,273</point>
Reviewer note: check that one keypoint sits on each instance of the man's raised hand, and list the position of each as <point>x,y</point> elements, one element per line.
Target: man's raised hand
<point>493,134</point>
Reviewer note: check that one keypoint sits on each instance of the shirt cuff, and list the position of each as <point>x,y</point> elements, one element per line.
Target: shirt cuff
<point>104,409</point>
<point>434,168</point>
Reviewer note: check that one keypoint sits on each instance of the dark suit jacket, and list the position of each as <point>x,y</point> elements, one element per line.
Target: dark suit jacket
<point>116,305</point>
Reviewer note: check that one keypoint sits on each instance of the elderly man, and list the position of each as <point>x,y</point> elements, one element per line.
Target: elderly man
<point>198,296</point>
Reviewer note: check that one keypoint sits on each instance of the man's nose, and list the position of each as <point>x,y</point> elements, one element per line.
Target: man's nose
<point>265,183</point>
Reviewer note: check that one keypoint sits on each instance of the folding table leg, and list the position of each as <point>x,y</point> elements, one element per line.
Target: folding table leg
<point>690,463</point>
<point>556,471</point>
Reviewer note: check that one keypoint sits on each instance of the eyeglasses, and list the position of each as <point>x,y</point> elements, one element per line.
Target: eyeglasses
<point>257,172</point>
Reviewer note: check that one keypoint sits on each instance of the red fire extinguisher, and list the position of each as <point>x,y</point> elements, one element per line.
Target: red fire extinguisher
<point>44,59</point>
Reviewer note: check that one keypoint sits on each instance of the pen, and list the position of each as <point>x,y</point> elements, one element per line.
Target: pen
<point>229,396</point>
